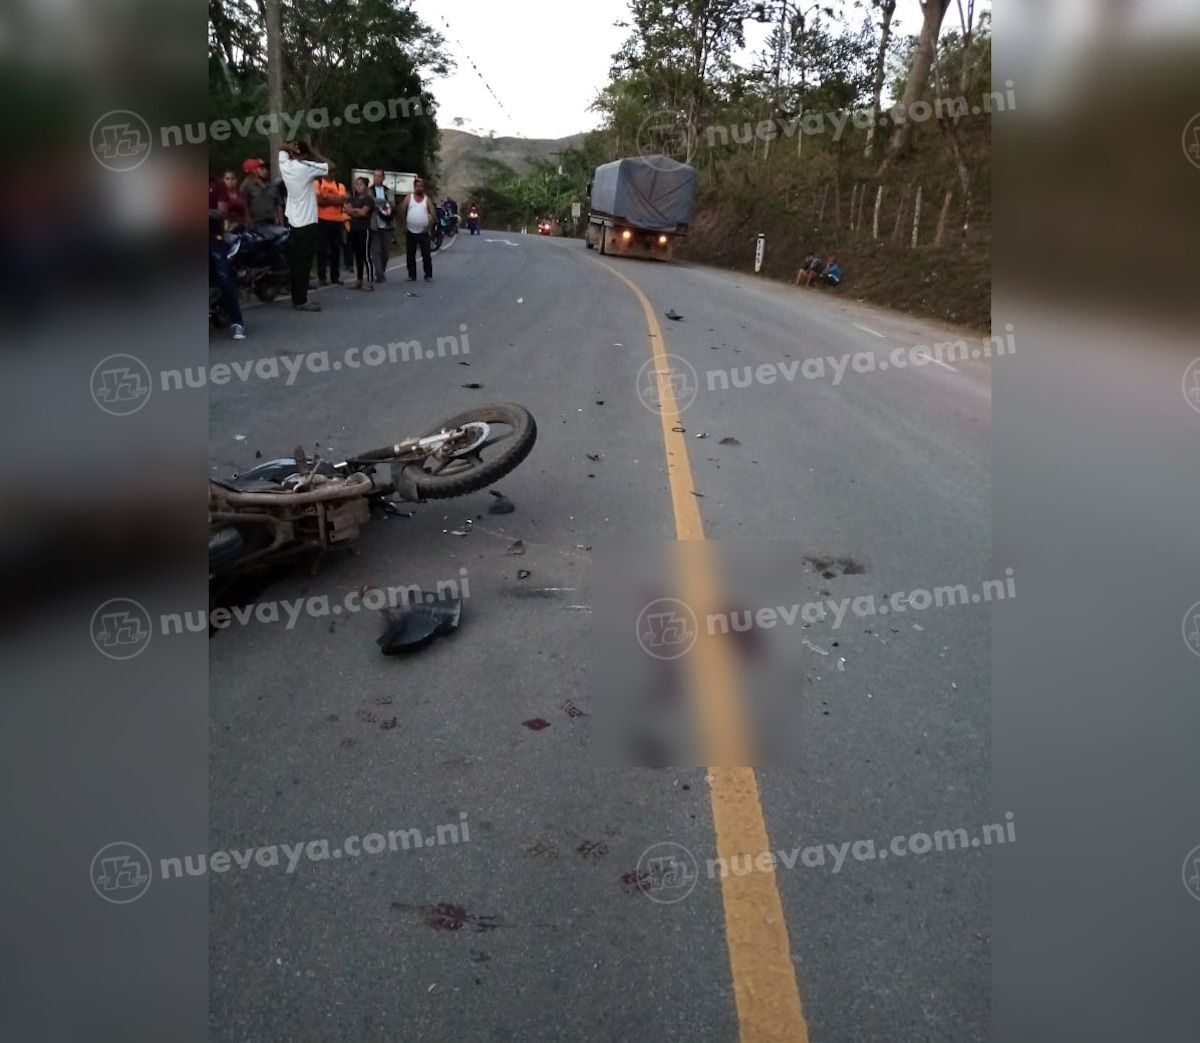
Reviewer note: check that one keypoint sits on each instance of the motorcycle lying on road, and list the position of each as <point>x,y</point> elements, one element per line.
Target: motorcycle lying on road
<point>261,265</point>
<point>295,506</point>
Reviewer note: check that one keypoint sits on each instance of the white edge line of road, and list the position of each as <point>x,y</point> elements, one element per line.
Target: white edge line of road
<point>867,329</point>
<point>937,362</point>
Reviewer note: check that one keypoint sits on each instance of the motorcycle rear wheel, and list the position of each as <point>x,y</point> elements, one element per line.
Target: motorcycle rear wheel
<point>266,291</point>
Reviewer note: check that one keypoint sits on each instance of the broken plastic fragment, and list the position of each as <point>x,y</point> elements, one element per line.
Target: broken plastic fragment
<point>416,626</point>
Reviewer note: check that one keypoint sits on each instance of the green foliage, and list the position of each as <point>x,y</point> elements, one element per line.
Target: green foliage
<point>799,186</point>
<point>509,198</point>
<point>336,53</point>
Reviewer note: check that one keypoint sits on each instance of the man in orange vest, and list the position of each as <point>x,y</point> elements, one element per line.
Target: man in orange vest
<point>331,199</point>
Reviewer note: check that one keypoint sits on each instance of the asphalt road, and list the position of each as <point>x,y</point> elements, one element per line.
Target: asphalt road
<point>538,924</point>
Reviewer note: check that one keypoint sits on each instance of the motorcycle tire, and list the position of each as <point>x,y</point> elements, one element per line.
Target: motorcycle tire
<point>519,445</point>
<point>224,547</point>
<point>266,291</point>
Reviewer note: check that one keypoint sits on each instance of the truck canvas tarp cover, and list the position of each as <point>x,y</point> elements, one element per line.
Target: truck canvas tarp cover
<point>652,192</point>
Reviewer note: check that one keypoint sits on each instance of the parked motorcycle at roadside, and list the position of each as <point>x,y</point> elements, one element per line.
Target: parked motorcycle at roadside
<point>261,262</point>
<point>437,234</point>
<point>295,506</point>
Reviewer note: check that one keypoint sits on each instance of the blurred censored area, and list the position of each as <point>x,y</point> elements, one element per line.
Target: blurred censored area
<point>772,654</point>
<point>1101,165</point>
<point>100,504</point>
<point>1096,500</point>
<point>95,262</point>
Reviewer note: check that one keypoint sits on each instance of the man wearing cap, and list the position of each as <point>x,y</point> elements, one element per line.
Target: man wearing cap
<point>261,196</point>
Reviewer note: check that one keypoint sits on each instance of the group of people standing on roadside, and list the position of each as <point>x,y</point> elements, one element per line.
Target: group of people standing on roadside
<point>338,228</point>
<point>317,207</point>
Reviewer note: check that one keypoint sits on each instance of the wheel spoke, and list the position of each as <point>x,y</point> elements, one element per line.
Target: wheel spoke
<point>492,440</point>
<point>441,465</point>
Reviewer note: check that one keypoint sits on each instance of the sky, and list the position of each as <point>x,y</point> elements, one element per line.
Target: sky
<point>545,60</point>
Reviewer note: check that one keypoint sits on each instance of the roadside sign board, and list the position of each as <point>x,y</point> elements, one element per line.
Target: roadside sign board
<point>759,250</point>
<point>576,209</point>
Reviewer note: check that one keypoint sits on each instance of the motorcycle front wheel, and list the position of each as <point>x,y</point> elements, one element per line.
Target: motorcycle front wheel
<point>511,433</point>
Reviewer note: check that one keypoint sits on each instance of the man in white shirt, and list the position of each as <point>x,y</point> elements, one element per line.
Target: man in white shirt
<point>419,214</point>
<point>300,165</point>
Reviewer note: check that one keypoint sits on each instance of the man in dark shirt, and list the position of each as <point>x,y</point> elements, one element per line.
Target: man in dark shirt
<point>261,196</point>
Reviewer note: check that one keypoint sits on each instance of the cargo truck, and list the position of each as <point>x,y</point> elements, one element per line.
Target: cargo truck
<point>640,207</point>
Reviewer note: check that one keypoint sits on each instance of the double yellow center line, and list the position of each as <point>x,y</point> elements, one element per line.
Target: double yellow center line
<point>760,958</point>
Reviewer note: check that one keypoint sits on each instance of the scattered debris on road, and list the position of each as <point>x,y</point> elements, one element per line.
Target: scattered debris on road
<point>523,573</point>
<point>536,724</point>
<point>673,316</point>
<point>471,387</point>
<point>502,504</point>
<point>516,547</point>
<point>729,440</point>
<point>416,626</point>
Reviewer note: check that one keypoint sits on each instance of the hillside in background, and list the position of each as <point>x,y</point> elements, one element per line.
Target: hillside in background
<point>466,160</point>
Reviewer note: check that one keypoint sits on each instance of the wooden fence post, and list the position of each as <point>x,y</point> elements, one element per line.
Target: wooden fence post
<point>941,225</point>
<point>853,203</point>
<point>824,197</point>
<point>862,198</point>
<point>916,217</point>
<point>900,212</point>
<point>878,207</point>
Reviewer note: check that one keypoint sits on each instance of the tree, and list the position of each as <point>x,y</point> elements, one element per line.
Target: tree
<point>963,52</point>
<point>668,69</point>
<point>332,54</point>
<point>887,9</point>
<point>932,12</point>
